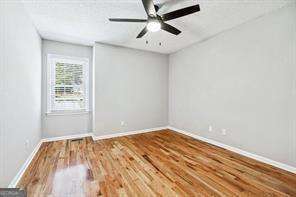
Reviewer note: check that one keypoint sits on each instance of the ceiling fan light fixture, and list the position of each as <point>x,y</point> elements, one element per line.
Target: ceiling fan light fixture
<point>153,25</point>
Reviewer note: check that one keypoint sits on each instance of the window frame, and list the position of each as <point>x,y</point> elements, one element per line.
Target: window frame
<point>51,63</point>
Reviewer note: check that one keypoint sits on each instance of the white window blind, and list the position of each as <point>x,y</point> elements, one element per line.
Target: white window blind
<point>67,84</point>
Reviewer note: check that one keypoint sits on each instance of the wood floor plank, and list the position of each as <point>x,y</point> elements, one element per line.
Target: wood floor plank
<point>160,163</point>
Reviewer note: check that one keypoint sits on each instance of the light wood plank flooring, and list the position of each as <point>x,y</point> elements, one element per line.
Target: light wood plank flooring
<point>161,163</point>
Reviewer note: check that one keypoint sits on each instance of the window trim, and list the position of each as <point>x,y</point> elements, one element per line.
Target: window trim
<point>51,59</point>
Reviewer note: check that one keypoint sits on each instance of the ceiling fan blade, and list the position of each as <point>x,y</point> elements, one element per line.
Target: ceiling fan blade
<point>127,20</point>
<point>180,13</point>
<point>143,32</point>
<point>149,7</point>
<point>170,29</point>
<point>166,5</point>
<point>157,7</point>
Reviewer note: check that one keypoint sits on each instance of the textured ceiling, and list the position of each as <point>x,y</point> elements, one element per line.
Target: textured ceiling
<point>86,21</point>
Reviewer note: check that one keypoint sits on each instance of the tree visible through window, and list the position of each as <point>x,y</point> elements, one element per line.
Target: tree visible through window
<point>69,81</point>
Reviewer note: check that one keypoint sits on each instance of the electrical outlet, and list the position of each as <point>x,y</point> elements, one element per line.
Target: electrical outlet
<point>122,123</point>
<point>223,131</point>
<point>27,144</point>
<point>210,128</point>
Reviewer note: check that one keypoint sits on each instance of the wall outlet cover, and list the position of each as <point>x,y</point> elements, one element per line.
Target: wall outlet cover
<point>223,132</point>
<point>210,128</point>
<point>27,144</point>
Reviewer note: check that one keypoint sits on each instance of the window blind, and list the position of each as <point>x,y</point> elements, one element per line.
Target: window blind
<point>68,81</point>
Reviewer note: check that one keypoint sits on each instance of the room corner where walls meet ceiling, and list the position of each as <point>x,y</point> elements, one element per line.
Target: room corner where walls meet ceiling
<point>86,22</point>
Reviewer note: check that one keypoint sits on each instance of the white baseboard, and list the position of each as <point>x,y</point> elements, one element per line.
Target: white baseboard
<point>127,133</point>
<point>16,179</point>
<point>23,168</point>
<point>237,150</point>
<point>67,137</point>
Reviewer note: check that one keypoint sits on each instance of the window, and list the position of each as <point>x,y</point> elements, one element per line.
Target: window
<point>67,83</point>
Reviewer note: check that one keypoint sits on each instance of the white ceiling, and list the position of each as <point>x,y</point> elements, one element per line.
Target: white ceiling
<point>86,21</point>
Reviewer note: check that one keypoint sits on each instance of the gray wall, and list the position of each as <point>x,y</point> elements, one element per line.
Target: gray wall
<point>20,89</point>
<point>130,86</point>
<point>244,81</point>
<point>66,124</point>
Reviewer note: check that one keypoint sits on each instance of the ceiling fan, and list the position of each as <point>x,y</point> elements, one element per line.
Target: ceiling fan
<point>155,22</point>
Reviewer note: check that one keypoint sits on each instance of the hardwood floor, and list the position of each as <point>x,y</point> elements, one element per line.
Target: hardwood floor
<point>161,163</point>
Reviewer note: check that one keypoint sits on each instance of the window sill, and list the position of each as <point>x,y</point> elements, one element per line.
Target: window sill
<point>65,113</point>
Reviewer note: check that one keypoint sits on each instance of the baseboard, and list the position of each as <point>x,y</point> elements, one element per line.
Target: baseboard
<point>67,137</point>
<point>237,150</point>
<point>23,168</point>
<point>127,133</point>
<point>20,173</point>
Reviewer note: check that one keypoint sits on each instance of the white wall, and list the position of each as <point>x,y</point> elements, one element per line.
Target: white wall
<point>20,89</point>
<point>243,80</point>
<point>130,86</point>
<point>70,124</point>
